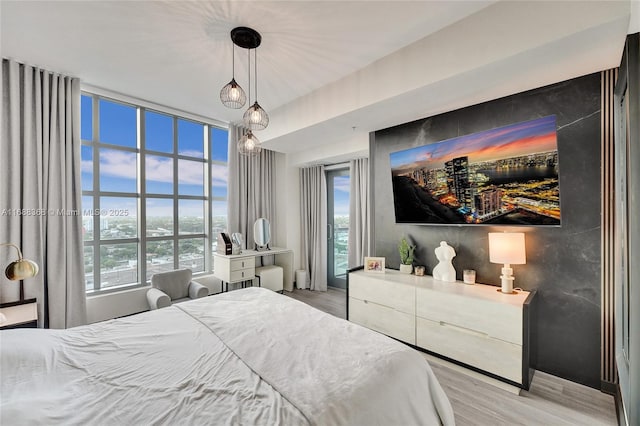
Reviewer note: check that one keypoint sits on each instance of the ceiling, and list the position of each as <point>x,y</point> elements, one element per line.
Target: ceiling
<point>325,68</point>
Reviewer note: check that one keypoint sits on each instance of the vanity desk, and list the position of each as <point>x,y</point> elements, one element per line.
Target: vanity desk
<point>237,268</point>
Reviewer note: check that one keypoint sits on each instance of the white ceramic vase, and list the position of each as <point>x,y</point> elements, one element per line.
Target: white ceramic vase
<point>406,269</point>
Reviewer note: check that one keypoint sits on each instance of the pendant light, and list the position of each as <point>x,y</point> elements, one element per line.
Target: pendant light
<point>256,118</point>
<point>232,95</point>
<point>249,144</point>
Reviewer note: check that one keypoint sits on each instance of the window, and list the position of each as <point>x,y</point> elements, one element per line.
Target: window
<point>154,189</point>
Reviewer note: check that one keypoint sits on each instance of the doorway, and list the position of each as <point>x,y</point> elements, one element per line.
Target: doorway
<point>338,182</point>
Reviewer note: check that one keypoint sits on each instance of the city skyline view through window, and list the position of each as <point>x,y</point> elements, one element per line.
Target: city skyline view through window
<point>154,192</point>
<point>341,190</point>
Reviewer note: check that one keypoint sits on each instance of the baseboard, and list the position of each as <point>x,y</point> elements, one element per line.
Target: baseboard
<point>609,388</point>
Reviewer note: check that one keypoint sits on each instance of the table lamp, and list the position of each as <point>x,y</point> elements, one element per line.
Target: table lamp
<point>507,248</point>
<point>20,269</point>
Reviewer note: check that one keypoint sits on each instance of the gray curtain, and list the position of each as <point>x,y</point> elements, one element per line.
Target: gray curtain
<point>313,200</point>
<point>359,213</point>
<point>251,189</point>
<point>40,171</point>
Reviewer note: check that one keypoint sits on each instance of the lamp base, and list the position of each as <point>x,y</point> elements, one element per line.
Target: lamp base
<point>507,279</point>
<point>499,290</point>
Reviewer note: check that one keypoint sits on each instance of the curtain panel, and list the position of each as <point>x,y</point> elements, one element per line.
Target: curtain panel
<point>313,211</point>
<point>251,188</point>
<point>359,212</point>
<point>40,171</point>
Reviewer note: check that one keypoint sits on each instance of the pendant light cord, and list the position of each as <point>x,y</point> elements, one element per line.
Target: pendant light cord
<point>249,68</point>
<point>233,61</point>
<point>255,74</point>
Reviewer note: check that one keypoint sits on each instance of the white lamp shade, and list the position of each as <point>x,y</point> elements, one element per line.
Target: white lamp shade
<point>507,248</point>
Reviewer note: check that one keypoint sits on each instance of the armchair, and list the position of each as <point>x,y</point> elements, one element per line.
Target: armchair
<point>173,286</point>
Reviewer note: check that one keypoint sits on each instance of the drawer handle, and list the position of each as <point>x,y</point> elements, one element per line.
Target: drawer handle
<point>463,329</point>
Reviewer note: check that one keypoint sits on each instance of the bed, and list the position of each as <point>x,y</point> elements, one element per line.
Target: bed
<point>245,357</point>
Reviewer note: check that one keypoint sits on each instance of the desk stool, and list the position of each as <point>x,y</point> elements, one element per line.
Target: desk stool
<point>271,277</point>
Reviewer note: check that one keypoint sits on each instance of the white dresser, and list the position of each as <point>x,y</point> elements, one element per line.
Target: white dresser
<point>474,325</point>
<point>378,305</point>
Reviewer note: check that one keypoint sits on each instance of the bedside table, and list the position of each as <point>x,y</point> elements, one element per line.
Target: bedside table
<point>21,314</point>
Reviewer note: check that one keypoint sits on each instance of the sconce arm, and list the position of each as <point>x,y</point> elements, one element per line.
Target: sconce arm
<point>15,247</point>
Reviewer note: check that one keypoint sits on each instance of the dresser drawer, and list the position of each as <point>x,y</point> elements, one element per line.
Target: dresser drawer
<point>391,322</point>
<point>499,320</point>
<point>470,347</point>
<point>242,275</point>
<point>400,297</point>
<point>243,263</point>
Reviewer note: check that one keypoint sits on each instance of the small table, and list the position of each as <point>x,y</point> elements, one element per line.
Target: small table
<point>21,314</point>
<point>234,268</point>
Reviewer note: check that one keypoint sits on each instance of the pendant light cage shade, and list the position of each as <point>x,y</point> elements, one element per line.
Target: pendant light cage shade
<point>256,118</point>
<point>249,144</point>
<point>232,95</point>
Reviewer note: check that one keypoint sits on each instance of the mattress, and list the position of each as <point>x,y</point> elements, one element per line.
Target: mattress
<point>244,357</point>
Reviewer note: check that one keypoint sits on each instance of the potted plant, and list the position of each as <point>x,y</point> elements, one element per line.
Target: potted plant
<point>406,256</point>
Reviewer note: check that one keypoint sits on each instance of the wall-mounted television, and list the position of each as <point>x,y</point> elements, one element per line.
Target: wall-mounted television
<point>503,176</point>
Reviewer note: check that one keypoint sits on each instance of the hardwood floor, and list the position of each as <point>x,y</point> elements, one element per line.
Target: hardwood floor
<point>333,301</point>
<point>550,400</point>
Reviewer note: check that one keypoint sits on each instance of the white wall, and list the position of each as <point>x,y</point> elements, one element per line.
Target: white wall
<point>118,304</point>
<point>634,21</point>
<point>288,207</point>
<point>113,305</point>
<point>356,145</point>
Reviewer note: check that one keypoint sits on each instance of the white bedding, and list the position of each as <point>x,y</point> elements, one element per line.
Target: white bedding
<point>245,357</point>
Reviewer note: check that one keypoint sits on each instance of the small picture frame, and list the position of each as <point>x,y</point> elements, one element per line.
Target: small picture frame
<point>374,264</point>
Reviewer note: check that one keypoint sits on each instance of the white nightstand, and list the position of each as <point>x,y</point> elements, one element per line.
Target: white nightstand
<point>22,314</point>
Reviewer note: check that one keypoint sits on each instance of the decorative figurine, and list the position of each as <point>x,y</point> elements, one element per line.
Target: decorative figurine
<point>444,270</point>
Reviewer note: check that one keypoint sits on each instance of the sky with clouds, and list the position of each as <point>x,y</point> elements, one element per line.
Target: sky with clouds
<point>514,140</point>
<point>119,168</point>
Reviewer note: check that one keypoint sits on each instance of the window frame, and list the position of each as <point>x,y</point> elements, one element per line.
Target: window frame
<point>141,195</point>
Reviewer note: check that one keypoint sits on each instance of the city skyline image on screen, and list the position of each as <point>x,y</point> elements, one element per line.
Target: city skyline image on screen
<point>502,176</point>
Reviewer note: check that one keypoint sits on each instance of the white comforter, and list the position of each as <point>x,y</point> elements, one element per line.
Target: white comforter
<point>244,357</point>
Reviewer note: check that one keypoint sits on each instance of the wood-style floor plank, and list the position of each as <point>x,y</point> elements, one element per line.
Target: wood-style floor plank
<point>333,301</point>
<point>550,400</point>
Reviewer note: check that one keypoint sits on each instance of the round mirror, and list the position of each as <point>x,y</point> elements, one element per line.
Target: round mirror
<point>261,233</point>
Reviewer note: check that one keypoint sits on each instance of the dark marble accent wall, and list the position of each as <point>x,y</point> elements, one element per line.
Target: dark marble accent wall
<point>563,263</point>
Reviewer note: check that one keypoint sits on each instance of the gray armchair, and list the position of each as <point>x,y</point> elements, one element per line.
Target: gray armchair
<point>173,286</point>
